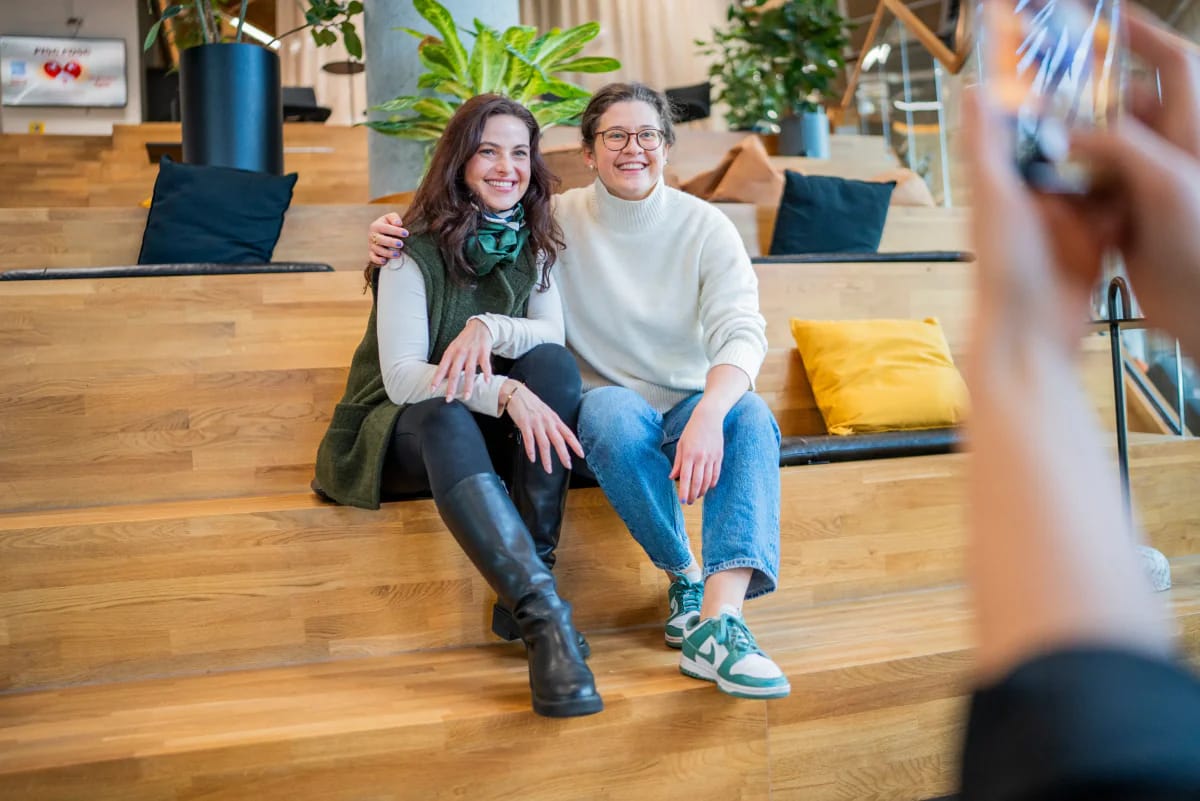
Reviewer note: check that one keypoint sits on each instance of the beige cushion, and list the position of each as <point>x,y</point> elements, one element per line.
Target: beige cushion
<point>911,189</point>
<point>745,175</point>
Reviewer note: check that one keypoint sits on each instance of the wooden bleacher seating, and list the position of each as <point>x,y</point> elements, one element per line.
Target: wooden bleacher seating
<point>157,540</point>
<point>908,228</point>
<point>34,238</point>
<point>331,160</point>
<point>181,618</point>
<point>81,237</point>
<point>335,234</point>
<point>64,171</point>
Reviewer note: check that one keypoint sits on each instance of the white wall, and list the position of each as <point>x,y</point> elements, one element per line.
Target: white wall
<point>101,18</point>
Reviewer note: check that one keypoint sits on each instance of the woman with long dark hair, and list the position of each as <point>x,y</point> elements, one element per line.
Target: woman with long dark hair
<point>461,377</point>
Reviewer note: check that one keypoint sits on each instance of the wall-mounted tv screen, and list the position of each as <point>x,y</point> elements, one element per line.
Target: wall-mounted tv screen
<point>50,71</point>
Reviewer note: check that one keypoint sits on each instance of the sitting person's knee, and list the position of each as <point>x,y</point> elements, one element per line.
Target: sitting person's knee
<point>613,414</point>
<point>752,414</point>
<point>445,421</point>
<point>551,361</point>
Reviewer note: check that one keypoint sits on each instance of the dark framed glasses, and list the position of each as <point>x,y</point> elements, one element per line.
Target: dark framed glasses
<point>616,138</point>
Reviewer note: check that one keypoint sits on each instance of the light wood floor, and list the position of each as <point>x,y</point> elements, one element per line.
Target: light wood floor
<point>870,679</point>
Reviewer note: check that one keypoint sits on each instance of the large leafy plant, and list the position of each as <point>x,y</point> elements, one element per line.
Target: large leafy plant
<point>198,22</point>
<point>775,61</point>
<point>519,63</point>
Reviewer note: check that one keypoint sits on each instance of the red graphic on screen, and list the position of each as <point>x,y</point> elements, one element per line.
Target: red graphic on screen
<point>66,72</point>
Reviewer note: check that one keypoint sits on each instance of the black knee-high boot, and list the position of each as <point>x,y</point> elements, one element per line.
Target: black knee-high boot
<point>540,499</point>
<point>482,518</point>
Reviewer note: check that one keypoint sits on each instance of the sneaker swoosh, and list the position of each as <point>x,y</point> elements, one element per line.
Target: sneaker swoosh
<point>708,650</point>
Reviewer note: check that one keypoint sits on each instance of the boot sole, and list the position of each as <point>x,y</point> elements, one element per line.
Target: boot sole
<point>572,708</point>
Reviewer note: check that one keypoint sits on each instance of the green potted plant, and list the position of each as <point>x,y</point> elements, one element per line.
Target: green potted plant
<point>229,90</point>
<point>774,66</point>
<point>519,63</point>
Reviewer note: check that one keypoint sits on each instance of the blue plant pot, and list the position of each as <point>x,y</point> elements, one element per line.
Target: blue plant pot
<point>232,107</point>
<point>815,127</point>
<point>805,135</point>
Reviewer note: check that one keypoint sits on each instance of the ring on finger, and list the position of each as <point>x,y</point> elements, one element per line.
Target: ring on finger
<point>374,239</point>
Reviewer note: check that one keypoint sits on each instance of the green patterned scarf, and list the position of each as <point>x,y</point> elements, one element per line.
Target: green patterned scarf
<point>499,239</point>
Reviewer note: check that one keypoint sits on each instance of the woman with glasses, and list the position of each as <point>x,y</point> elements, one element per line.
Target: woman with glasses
<point>661,310</point>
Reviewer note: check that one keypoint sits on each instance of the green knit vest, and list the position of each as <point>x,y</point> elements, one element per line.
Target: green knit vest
<point>351,456</point>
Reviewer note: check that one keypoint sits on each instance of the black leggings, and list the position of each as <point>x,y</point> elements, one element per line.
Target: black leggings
<point>437,444</point>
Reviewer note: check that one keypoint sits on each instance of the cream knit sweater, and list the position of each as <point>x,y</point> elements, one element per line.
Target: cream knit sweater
<point>656,292</point>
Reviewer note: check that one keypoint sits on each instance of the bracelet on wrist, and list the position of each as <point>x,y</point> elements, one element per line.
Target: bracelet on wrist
<point>504,406</point>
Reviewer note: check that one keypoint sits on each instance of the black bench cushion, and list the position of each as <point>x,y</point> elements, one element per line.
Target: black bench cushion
<point>818,449</point>
<point>153,270</point>
<point>871,256</point>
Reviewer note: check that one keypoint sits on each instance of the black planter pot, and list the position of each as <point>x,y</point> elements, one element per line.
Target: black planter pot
<point>805,135</point>
<point>232,107</point>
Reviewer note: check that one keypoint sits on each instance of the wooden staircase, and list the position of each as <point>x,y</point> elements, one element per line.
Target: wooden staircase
<point>276,647</point>
<point>80,171</point>
<point>181,619</point>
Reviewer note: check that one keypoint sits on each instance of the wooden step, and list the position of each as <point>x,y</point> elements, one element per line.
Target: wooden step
<point>222,386</point>
<point>51,171</point>
<point>169,589</point>
<point>98,237</point>
<point>216,385</point>
<point>875,712</point>
<point>126,592</point>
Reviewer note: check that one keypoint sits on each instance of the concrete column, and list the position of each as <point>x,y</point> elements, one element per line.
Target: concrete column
<point>393,69</point>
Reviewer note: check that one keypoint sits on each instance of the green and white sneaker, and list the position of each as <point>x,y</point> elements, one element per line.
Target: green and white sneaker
<point>684,598</point>
<point>721,649</point>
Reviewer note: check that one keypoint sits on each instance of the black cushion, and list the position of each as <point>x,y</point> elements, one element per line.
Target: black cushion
<point>870,257</point>
<point>821,448</point>
<point>825,214</point>
<point>159,270</point>
<point>214,214</point>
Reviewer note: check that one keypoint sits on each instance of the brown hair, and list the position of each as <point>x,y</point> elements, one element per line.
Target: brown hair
<point>614,93</point>
<point>444,206</point>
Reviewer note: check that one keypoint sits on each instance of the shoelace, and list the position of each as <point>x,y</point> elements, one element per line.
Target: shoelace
<point>691,595</point>
<point>737,638</point>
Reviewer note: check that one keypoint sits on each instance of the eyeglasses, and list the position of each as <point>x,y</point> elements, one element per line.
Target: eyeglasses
<point>616,138</point>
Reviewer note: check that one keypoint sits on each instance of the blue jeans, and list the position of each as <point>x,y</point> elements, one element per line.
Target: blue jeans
<point>630,449</point>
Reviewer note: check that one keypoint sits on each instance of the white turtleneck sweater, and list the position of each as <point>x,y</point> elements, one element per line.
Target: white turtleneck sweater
<point>655,292</point>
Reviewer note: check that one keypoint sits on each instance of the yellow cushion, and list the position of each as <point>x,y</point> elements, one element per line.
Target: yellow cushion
<point>881,375</point>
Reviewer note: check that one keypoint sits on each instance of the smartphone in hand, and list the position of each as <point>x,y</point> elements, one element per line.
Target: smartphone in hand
<point>1053,66</point>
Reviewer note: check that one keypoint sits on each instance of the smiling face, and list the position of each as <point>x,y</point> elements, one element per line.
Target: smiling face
<point>498,173</point>
<point>632,172</point>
